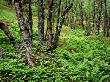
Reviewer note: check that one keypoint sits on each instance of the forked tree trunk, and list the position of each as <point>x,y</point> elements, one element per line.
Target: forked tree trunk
<point>4,27</point>
<point>59,26</point>
<point>25,32</point>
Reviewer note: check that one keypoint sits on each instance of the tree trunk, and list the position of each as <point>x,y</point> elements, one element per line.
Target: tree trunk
<point>30,18</point>
<point>99,16</point>
<point>58,20</point>
<point>94,10</point>
<point>106,30</point>
<point>49,24</point>
<point>25,32</point>
<point>4,27</point>
<point>59,27</point>
<point>40,22</point>
<point>81,14</point>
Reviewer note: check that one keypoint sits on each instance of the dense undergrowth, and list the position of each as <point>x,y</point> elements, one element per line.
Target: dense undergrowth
<point>78,58</point>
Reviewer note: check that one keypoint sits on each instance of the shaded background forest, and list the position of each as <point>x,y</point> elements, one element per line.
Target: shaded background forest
<point>55,40</point>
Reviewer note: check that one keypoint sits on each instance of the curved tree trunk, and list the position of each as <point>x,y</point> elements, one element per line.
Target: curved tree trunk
<point>4,27</point>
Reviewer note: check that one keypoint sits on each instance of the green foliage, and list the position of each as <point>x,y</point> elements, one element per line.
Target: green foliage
<point>78,58</point>
<point>90,60</point>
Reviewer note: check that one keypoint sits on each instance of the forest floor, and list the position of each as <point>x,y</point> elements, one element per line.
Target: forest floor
<point>78,58</point>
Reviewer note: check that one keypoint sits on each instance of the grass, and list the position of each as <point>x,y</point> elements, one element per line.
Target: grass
<point>78,58</point>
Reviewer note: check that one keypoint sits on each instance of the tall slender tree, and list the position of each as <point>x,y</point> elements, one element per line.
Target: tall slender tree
<point>49,24</point>
<point>81,14</point>
<point>99,9</point>
<point>41,22</point>
<point>106,32</point>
